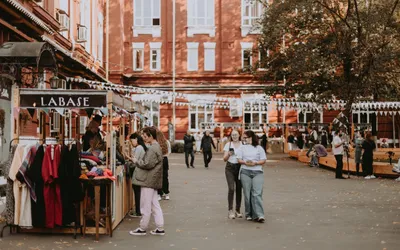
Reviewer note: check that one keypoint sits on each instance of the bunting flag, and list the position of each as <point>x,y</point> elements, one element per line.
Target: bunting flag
<point>60,111</point>
<point>47,111</point>
<point>104,111</point>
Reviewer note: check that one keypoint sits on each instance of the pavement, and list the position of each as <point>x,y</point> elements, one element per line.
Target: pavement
<point>305,208</point>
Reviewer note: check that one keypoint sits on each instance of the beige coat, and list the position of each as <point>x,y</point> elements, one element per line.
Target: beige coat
<point>149,171</point>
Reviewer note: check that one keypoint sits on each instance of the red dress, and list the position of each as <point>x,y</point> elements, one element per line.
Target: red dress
<point>51,192</point>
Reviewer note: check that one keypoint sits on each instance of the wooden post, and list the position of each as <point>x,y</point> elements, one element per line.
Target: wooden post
<point>221,137</point>
<point>16,100</point>
<point>352,132</point>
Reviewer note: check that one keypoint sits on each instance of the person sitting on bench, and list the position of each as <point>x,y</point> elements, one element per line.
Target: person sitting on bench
<point>317,151</point>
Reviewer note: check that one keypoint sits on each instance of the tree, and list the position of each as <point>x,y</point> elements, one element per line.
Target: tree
<point>324,49</point>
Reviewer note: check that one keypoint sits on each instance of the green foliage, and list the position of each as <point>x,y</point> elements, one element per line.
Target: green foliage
<point>342,49</point>
<point>177,147</point>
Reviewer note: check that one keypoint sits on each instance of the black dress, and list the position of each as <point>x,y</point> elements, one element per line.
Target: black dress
<point>69,172</point>
<point>368,157</point>
<point>34,172</point>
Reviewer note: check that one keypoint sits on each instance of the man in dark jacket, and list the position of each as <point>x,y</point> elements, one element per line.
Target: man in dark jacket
<point>206,143</point>
<point>188,140</point>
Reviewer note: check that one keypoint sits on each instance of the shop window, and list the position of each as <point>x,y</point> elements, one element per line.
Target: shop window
<point>255,113</point>
<point>308,116</point>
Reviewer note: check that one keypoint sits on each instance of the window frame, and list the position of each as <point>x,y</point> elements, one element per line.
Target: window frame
<point>209,46</point>
<point>368,112</point>
<point>152,112</point>
<point>155,46</point>
<point>197,111</point>
<point>85,20</point>
<point>196,17</point>
<point>142,17</point>
<point>252,111</point>
<point>251,4</point>
<point>100,43</point>
<point>194,48</point>
<point>305,116</point>
<point>138,47</point>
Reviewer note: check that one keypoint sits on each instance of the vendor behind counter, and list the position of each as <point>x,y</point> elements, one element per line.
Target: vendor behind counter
<point>92,139</point>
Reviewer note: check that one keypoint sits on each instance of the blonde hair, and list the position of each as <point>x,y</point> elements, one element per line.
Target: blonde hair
<point>162,141</point>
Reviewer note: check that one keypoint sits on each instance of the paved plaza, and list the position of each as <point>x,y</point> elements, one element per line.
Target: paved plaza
<point>306,208</point>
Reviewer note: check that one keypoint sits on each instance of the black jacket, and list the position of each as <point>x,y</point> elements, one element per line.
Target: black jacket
<point>206,143</point>
<point>188,140</point>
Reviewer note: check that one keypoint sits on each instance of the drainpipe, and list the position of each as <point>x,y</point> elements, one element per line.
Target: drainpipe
<point>173,67</point>
<point>107,38</point>
<point>71,21</point>
<point>219,30</point>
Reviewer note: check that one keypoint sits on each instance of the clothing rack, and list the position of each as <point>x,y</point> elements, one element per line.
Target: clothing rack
<point>16,228</point>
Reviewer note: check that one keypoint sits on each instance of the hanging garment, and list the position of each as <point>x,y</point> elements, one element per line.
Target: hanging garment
<point>22,211</point>
<point>35,174</point>
<point>22,176</point>
<point>52,195</point>
<point>10,201</point>
<point>69,172</point>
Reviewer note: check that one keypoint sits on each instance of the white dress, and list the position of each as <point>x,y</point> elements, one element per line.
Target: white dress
<point>198,138</point>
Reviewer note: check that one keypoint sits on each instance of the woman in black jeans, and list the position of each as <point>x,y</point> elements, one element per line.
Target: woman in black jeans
<point>232,174</point>
<point>139,149</point>
<point>368,157</point>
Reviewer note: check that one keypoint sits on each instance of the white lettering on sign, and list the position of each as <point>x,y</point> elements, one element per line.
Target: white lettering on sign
<point>62,101</point>
<point>70,103</point>
<point>86,101</point>
<point>79,101</point>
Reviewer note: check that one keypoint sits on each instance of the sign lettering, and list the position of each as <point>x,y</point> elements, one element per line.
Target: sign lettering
<point>63,101</point>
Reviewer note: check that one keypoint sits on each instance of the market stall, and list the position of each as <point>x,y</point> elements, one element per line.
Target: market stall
<point>108,170</point>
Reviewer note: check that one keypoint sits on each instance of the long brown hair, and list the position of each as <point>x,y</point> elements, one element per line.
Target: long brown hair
<point>162,141</point>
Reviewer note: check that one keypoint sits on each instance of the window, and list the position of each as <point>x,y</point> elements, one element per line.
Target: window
<point>209,56</point>
<point>152,111</point>
<point>255,113</point>
<point>147,17</point>
<point>147,12</point>
<point>64,6</point>
<point>155,56</point>
<point>138,56</point>
<point>251,13</point>
<point>200,12</point>
<point>85,12</point>
<point>100,43</point>
<point>192,56</point>
<point>364,117</point>
<point>307,116</point>
<point>199,114</point>
<point>246,54</point>
<point>262,56</point>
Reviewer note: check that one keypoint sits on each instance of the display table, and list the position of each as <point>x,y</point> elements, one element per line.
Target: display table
<point>96,183</point>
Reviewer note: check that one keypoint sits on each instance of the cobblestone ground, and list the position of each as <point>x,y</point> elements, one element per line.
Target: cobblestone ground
<point>305,208</point>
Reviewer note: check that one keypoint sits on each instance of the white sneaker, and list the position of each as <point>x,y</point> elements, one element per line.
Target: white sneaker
<point>398,179</point>
<point>396,169</point>
<point>138,232</point>
<point>373,177</point>
<point>157,231</point>
<point>238,214</point>
<point>368,177</point>
<point>231,214</point>
<point>166,197</point>
<point>159,197</point>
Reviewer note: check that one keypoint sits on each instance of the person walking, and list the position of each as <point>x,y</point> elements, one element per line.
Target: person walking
<point>165,145</point>
<point>232,174</point>
<point>148,175</point>
<point>138,150</point>
<point>251,156</point>
<point>206,143</point>
<point>358,141</point>
<point>368,157</point>
<point>188,140</point>
<point>338,150</point>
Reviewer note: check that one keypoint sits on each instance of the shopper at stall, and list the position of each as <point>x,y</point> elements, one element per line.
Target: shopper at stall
<point>148,175</point>
<point>188,140</point>
<point>138,150</point>
<point>368,157</point>
<point>251,156</point>
<point>92,138</point>
<point>232,174</point>
<point>206,143</point>
<point>165,145</point>
<point>358,141</point>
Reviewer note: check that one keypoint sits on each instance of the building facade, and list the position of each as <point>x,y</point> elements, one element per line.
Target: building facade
<point>216,40</point>
<point>76,32</point>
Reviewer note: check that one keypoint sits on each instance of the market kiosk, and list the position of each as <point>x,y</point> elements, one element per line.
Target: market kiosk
<point>119,195</point>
